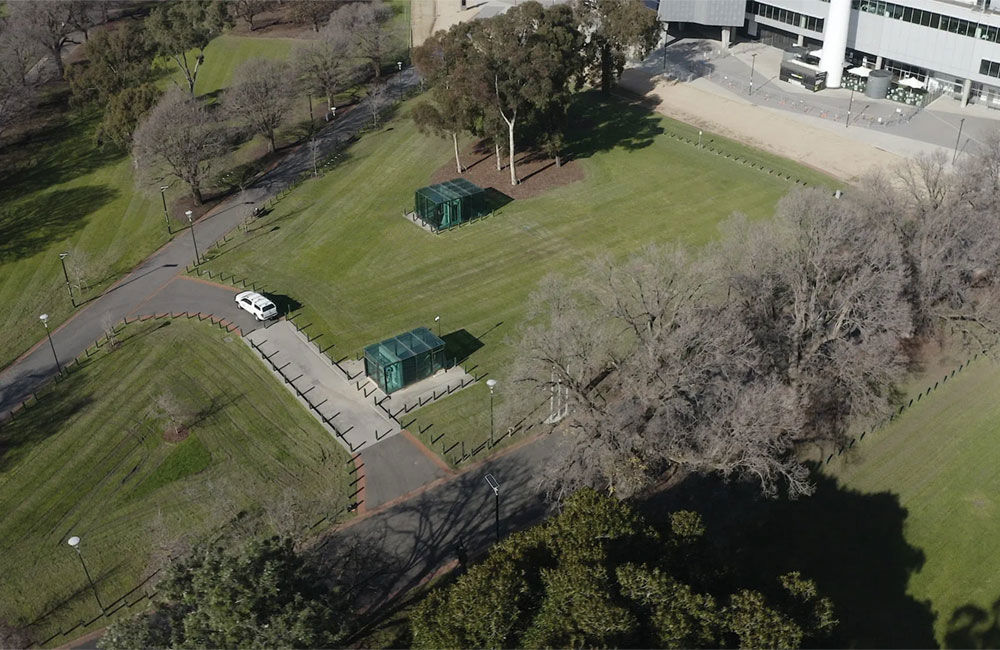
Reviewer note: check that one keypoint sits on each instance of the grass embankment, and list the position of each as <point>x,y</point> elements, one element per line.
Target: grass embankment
<point>92,460</point>
<point>339,245</point>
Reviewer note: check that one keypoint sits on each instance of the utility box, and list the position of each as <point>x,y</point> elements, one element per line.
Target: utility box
<point>404,359</point>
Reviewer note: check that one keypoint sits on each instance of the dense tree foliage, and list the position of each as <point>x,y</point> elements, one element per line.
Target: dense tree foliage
<point>509,70</point>
<point>615,30</point>
<point>597,575</point>
<point>176,28</point>
<point>265,596</point>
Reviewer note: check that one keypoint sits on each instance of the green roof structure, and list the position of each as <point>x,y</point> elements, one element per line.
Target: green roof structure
<point>448,204</point>
<point>404,359</point>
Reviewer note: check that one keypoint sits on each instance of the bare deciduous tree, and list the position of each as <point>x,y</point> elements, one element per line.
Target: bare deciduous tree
<point>366,23</point>
<point>176,412</point>
<point>50,24</point>
<point>312,12</point>
<point>326,66</point>
<point>785,332</point>
<point>260,96</point>
<point>178,138</point>
<point>376,98</point>
<point>248,10</point>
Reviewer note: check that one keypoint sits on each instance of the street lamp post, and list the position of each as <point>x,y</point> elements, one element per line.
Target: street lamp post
<point>957,140</point>
<point>166,216</point>
<point>69,287</point>
<point>753,65</point>
<point>197,257</point>
<point>75,543</point>
<point>495,486</point>
<point>45,321</point>
<point>437,322</point>
<point>850,105</point>
<point>491,383</point>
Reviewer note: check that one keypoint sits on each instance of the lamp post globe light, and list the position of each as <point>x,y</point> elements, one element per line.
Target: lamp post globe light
<point>45,321</point>
<point>437,321</point>
<point>491,383</point>
<point>753,64</point>
<point>69,287</point>
<point>197,257</point>
<point>74,541</point>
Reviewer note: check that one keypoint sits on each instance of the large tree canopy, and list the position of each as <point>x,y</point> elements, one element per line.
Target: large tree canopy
<point>616,30</point>
<point>179,27</point>
<point>263,597</point>
<point>597,575</point>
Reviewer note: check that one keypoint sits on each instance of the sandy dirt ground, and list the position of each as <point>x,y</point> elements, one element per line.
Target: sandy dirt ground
<point>813,144</point>
<point>764,128</point>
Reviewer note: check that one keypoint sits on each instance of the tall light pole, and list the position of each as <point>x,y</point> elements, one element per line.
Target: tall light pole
<point>197,257</point>
<point>957,140</point>
<point>753,65</point>
<point>664,46</point>
<point>75,543</point>
<point>166,216</point>
<point>495,486</point>
<point>491,383</point>
<point>69,287</point>
<point>45,321</point>
<point>437,322</point>
<point>850,105</point>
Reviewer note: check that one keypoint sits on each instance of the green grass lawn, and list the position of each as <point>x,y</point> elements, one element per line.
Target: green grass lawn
<point>941,459</point>
<point>59,192</point>
<point>91,460</point>
<point>339,245</point>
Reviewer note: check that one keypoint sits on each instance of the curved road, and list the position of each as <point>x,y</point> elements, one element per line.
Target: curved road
<point>158,286</point>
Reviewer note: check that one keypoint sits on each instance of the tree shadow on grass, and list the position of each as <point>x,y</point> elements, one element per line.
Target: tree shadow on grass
<point>850,543</point>
<point>598,124</point>
<point>59,153</point>
<point>19,437</point>
<point>971,626</point>
<point>459,345</point>
<point>28,228</point>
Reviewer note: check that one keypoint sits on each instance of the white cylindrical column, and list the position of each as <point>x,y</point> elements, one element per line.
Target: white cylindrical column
<point>835,41</point>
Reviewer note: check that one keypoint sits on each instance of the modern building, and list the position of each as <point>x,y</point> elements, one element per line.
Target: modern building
<point>950,46</point>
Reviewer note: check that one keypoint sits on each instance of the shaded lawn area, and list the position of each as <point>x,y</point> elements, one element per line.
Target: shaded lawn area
<point>65,194</point>
<point>340,246</point>
<point>91,460</point>
<point>939,459</point>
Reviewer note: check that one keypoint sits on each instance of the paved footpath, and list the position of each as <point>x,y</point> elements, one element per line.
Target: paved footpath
<point>156,285</point>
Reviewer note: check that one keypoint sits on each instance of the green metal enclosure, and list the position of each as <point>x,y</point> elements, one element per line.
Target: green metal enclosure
<point>448,204</point>
<point>404,359</point>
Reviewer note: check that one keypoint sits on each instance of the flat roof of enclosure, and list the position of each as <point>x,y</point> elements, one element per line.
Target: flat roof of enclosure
<point>405,346</point>
<point>449,190</point>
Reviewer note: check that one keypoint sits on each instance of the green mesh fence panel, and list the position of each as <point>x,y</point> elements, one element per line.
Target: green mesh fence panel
<point>448,204</point>
<point>403,359</point>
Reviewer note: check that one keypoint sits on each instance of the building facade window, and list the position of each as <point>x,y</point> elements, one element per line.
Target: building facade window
<point>928,19</point>
<point>793,18</point>
<point>990,68</point>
